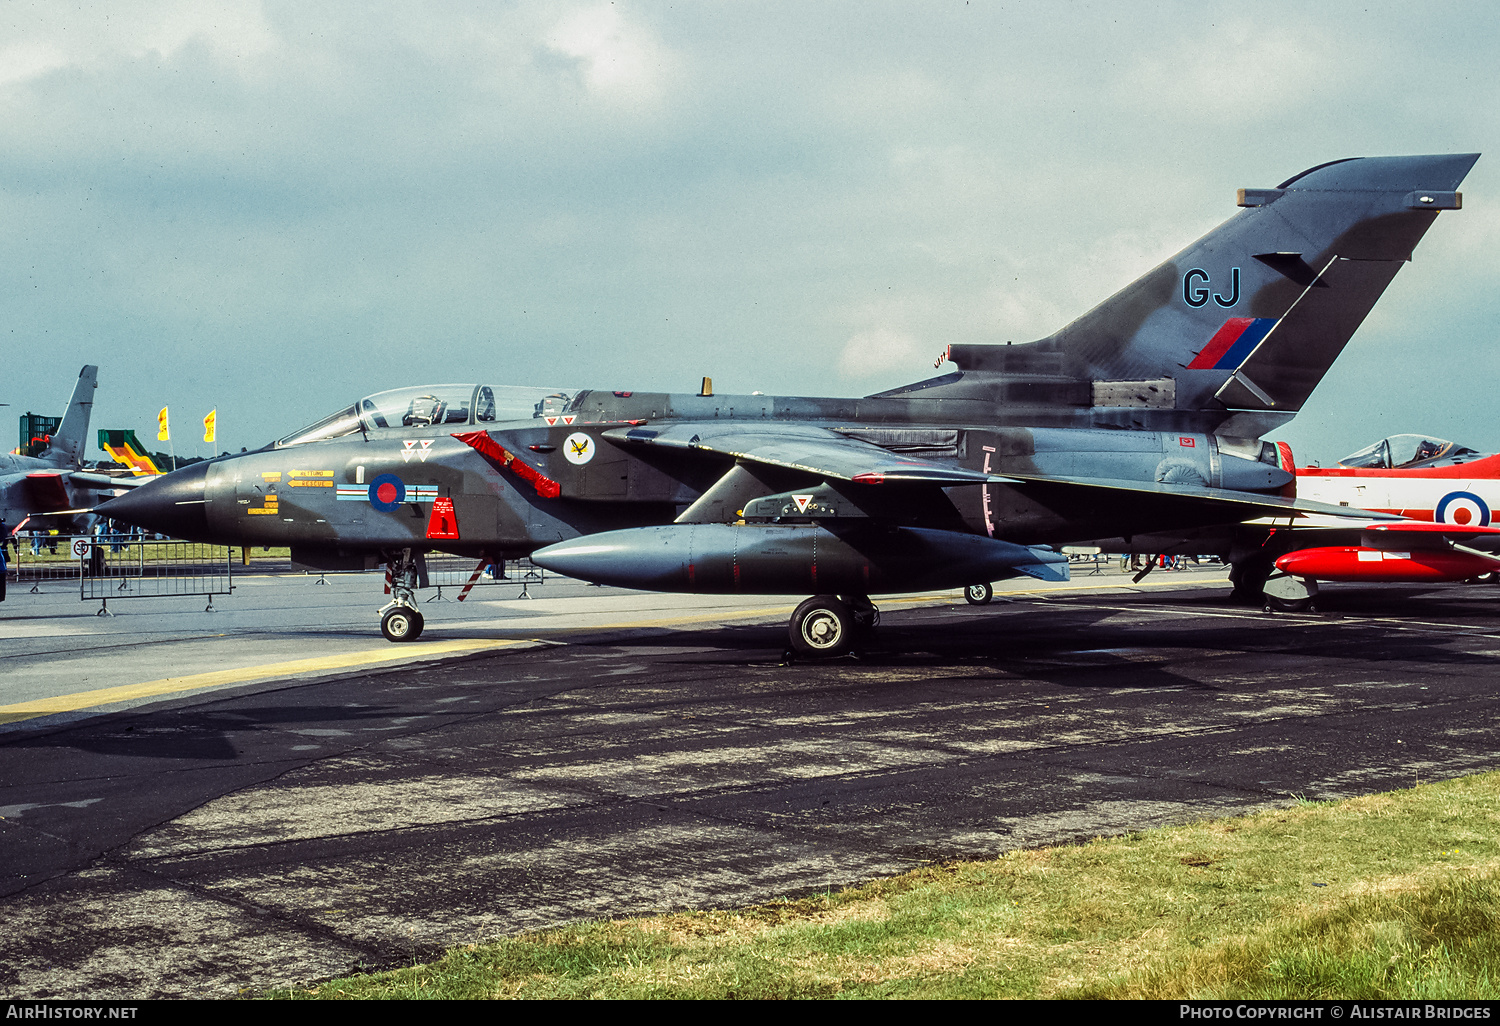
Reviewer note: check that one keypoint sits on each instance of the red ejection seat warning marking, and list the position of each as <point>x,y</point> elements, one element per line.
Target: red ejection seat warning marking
<point>443,524</point>
<point>499,456</point>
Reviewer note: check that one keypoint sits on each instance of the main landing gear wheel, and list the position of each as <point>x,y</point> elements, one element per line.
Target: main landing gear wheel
<point>1287,593</point>
<point>1281,605</point>
<point>979,594</point>
<point>822,627</point>
<point>401,624</point>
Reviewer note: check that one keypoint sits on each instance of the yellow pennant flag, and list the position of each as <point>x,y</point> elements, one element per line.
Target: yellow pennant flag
<point>162,434</point>
<point>209,424</point>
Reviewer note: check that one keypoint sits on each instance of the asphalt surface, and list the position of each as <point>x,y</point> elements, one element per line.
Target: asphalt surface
<point>270,833</point>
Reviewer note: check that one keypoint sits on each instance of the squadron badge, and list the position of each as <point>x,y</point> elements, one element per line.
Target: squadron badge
<point>578,448</point>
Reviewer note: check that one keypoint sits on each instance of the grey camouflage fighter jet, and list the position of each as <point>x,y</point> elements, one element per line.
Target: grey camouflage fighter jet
<point>1143,417</point>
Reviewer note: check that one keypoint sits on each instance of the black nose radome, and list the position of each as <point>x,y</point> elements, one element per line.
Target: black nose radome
<point>174,504</point>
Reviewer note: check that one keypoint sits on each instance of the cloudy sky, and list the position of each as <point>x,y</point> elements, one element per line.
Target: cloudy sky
<point>274,208</point>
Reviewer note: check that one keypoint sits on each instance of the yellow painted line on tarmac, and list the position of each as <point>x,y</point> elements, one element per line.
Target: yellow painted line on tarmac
<point>267,671</point>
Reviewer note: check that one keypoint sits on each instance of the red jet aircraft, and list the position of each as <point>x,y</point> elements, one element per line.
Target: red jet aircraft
<point>1445,490</point>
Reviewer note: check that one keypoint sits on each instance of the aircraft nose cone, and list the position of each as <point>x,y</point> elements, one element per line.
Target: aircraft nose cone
<point>640,557</point>
<point>608,558</point>
<point>575,557</point>
<point>174,504</point>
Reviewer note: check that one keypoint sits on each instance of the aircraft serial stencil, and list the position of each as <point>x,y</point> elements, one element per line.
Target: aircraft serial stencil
<point>1144,415</point>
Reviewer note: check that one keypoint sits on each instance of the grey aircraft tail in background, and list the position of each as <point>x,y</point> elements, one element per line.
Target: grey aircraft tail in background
<point>1143,416</point>
<point>53,486</point>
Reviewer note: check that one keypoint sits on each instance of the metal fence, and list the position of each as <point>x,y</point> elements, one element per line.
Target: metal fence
<point>105,567</point>
<point>461,573</point>
<point>41,559</point>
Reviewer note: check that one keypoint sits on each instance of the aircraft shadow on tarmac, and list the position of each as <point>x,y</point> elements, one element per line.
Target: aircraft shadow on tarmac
<point>1066,642</point>
<point>1433,604</point>
<point>1031,640</point>
<point>204,734</point>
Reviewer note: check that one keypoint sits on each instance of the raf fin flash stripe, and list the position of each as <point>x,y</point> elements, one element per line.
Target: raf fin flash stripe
<point>1232,343</point>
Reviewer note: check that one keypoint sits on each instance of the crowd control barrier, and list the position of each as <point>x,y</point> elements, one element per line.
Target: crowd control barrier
<point>119,567</point>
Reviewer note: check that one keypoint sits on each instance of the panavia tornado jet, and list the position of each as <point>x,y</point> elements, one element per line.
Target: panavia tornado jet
<point>53,484</point>
<point>1144,415</point>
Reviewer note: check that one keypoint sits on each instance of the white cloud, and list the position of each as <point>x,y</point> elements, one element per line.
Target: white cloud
<point>881,351</point>
<point>1249,71</point>
<point>57,36</point>
<point>30,59</point>
<point>622,63</point>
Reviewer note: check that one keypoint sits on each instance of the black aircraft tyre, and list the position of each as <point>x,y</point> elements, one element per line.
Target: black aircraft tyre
<point>1248,576</point>
<point>822,627</point>
<point>1281,605</point>
<point>401,624</point>
<point>979,594</point>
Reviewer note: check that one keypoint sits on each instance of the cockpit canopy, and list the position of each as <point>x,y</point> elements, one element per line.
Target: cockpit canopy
<point>445,407</point>
<point>1406,451</point>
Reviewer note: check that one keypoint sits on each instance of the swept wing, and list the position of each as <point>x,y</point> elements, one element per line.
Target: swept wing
<point>826,453</point>
<point>816,450</point>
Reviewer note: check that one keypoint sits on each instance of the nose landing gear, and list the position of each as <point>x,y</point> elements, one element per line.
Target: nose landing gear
<point>400,619</point>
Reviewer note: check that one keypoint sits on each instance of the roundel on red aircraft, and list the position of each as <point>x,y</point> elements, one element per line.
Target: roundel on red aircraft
<point>387,493</point>
<point>1463,508</point>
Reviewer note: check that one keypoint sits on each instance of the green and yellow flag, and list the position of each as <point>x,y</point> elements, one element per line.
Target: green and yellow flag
<point>210,423</point>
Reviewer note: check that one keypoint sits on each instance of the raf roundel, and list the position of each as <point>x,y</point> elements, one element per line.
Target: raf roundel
<point>387,493</point>
<point>578,448</point>
<point>1463,508</point>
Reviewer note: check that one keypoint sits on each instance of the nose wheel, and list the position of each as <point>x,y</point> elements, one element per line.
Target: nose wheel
<point>979,594</point>
<point>401,623</point>
<point>400,620</point>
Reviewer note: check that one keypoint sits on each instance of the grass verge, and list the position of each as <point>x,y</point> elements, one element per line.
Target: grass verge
<point>1393,895</point>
